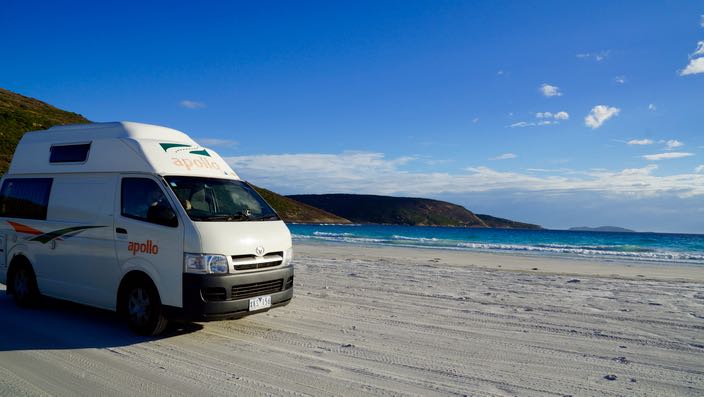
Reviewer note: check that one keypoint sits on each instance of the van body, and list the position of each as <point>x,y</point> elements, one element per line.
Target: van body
<point>142,220</point>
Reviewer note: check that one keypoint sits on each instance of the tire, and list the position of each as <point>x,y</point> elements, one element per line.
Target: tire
<point>143,310</point>
<point>24,286</point>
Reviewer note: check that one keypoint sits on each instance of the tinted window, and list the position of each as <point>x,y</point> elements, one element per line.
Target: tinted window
<point>25,197</point>
<point>69,153</point>
<point>142,199</point>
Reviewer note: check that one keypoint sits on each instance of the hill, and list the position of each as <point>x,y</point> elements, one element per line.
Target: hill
<point>360,208</point>
<point>293,211</point>
<point>501,223</point>
<point>19,114</point>
<point>601,229</point>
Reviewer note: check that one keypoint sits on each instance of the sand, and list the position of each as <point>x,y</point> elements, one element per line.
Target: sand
<point>383,321</point>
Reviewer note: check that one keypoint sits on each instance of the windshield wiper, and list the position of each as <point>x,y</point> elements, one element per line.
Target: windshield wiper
<point>266,217</point>
<point>240,216</point>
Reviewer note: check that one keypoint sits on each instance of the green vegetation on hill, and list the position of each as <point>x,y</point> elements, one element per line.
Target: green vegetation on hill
<point>501,223</point>
<point>293,211</point>
<point>19,114</point>
<point>392,210</point>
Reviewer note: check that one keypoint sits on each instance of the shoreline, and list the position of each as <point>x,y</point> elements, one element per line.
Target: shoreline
<point>613,268</point>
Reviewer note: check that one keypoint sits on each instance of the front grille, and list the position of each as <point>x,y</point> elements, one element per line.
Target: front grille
<point>249,262</point>
<point>256,289</point>
<point>213,294</point>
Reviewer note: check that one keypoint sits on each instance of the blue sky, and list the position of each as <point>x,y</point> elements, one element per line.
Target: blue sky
<point>557,113</point>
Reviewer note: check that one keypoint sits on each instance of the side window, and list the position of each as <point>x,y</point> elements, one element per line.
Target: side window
<point>142,199</point>
<point>69,153</point>
<point>25,198</point>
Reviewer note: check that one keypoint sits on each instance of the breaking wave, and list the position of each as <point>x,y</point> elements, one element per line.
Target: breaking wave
<point>615,251</point>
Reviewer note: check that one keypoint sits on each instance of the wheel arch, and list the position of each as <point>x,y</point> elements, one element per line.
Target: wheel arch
<point>133,276</point>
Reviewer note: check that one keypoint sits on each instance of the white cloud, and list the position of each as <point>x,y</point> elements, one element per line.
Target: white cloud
<point>699,169</point>
<point>373,173</point>
<point>599,115</point>
<point>211,142</point>
<point>475,120</point>
<point>696,61</point>
<point>699,50</point>
<point>544,118</point>
<point>597,56</point>
<point>652,107</point>
<point>640,142</point>
<point>620,79</point>
<point>505,156</point>
<point>550,90</point>
<point>666,156</point>
<point>673,143</point>
<point>500,72</point>
<point>521,124</point>
<point>188,104</point>
<point>561,116</point>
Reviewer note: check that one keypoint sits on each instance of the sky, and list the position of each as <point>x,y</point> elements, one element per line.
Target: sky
<point>550,112</point>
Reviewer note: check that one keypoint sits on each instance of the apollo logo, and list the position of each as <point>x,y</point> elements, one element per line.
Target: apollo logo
<point>196,163</point>
<point>144,248</point>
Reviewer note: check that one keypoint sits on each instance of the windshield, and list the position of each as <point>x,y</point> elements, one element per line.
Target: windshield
<point>223,200</point>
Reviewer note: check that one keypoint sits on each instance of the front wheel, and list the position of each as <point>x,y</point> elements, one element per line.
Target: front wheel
<point>143,309</point>
<point>24,286</point>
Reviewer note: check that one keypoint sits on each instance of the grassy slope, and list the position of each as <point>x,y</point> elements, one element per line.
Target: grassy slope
<point>19,114</point>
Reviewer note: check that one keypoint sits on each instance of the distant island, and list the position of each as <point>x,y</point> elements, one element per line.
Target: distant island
<point>601,229</point>
<point>19,114</point>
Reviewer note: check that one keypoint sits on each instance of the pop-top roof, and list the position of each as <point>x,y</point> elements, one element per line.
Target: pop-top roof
<point>119,147</point>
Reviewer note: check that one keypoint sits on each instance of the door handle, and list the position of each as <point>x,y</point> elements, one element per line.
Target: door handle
<point>121,230</point>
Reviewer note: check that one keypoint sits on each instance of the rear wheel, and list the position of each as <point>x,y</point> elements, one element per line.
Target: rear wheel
<point>143,309</point>
<point>24,286</point>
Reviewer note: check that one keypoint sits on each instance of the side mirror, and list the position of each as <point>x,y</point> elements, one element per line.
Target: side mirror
<point>162,215</point>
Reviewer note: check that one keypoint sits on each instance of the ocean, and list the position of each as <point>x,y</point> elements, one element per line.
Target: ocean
<point>638,247</point>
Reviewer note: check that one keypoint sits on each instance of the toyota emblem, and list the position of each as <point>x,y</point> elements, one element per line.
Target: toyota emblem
<point>259,250</point>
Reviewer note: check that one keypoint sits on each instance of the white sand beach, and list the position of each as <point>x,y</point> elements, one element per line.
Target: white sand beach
<point>387,321</point>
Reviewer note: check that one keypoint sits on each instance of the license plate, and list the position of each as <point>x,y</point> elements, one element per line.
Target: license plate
<point>259,303</point>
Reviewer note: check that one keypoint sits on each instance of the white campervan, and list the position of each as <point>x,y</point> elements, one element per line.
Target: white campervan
<point>142,220</point>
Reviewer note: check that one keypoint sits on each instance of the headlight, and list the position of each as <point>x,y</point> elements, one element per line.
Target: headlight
<point>288,256</point>
<point>201,263</point>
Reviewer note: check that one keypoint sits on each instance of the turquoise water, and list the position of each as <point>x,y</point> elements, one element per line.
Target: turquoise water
<point>645,247</point>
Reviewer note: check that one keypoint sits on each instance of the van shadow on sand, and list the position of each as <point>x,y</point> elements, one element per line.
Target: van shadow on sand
<point>56,325</point>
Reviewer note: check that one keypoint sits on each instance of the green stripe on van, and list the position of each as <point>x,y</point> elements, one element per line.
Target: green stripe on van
<point>46,237</point>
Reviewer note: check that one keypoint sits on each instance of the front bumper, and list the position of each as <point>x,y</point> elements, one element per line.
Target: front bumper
<point>217,297</point>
